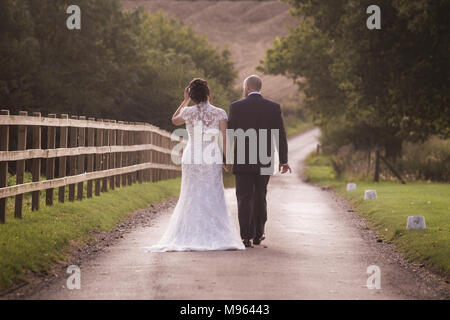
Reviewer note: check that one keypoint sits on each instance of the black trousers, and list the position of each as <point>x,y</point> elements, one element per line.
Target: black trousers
<point>251,190</point>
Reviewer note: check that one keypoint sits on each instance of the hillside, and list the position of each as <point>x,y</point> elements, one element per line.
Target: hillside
<point>247,27</point>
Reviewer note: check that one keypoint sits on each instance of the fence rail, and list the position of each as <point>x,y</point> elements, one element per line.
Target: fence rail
<point>105,154</point>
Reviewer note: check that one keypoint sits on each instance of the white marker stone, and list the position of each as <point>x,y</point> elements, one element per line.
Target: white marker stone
<point>351,186</point>
<point>370,194</point>
<point>416,223</point>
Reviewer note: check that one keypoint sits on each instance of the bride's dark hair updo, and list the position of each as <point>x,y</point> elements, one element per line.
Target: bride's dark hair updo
<point>199,90</point>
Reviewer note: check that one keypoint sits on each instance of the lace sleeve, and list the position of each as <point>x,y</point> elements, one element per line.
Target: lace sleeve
<point>185,114</point>
<point>223,115</point>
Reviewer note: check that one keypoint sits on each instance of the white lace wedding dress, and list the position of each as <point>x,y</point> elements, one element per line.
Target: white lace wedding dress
<point>201,220</point>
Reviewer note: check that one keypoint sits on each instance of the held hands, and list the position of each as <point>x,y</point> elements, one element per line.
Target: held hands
<point>285,168</point>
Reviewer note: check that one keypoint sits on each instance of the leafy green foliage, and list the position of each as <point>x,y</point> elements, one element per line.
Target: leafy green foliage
<point>376,87</point>
<point>129,66</point>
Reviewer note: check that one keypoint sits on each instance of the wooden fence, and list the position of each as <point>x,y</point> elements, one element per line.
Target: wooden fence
<point>105,154</point>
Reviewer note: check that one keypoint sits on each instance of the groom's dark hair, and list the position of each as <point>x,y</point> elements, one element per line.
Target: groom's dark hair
<point>199,90</point>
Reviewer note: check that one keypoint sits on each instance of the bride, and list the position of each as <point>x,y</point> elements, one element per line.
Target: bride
<point>201,220</point>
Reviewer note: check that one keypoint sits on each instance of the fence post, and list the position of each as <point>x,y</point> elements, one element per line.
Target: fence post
<point>136,154</point>
<point>98,157</point>
<point>172,172</point>
<point>130,155</point>
<point>20,169</point>
<point>140,154</point>
<point>131,142</point>
<point>152,157</point>
<point>105,161</point>
<point>80,164</point>
<point>147,156</point>
<point>112,155</point>
<point>119,163</point>
<point>145,153</point>
<point>62,162</point>
<point>125,156</point>
<point>90,157</point>
<point>73,159</point>
<point>160,157</point>
<point>50,167</point>
<point>155,157</point>
<point>36,164</point>
<point>164,157</point>
<point>4,146</point>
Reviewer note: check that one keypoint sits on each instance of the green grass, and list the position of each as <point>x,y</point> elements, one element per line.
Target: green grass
<point>42,238</point>
<point>388,213</point>
<point>297,126</point>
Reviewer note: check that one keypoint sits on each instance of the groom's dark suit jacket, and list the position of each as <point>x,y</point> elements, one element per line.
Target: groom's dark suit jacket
<point>256,112</point>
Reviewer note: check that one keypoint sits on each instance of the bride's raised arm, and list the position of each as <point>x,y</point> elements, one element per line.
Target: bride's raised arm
<point>176,118</point>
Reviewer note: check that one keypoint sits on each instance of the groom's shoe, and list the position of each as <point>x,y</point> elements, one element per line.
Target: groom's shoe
<point>259,240</point>
<point>247,243</point>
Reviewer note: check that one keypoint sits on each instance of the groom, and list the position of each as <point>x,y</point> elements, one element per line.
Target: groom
<point>256,113</point>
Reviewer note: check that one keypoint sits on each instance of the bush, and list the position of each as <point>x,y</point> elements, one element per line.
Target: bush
<point>426,161</point>
<point>419,161</point>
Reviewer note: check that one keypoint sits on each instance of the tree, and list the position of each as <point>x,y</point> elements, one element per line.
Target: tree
<point>383,86</point>
<point>130,66</point>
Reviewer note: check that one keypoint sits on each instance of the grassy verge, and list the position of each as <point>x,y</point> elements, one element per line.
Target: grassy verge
<point>296,126</point>
<point>388,213</point>
<point>42,238</point>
